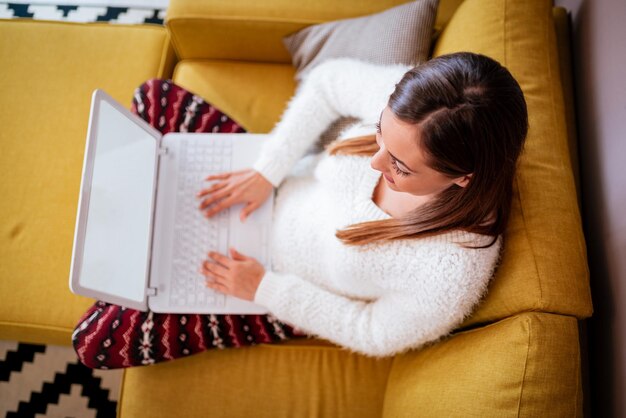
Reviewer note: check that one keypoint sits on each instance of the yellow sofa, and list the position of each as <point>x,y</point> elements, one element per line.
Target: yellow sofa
<point>517,355</point>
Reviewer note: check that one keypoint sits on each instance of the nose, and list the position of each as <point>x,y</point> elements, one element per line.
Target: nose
<point>378,160</point>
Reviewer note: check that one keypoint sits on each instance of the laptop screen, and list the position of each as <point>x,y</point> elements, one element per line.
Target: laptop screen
<point>120,198</point>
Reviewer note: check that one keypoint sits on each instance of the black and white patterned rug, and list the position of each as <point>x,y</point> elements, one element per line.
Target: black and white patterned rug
<point>87,11</point>
<point>48,381</point>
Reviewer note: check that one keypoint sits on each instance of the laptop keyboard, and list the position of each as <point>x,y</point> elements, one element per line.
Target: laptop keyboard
<point>194,234</point>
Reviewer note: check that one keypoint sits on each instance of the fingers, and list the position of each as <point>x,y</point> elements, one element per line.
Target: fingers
<point>222,176</point>
<point>215,197</point>
<point>248,209</point>
<point>216,286</point>
<point>215,187</point>
<point>213,269</point>
<point>236,255</point>
<point>224,204</point>
<point>222,259</point>
<point>219,191</point>
<point>230,192</point>
<point>214,274</point>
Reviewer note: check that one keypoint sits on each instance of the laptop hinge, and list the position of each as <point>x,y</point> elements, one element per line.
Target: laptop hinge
<point>162,151</point>
<point>151,291</point>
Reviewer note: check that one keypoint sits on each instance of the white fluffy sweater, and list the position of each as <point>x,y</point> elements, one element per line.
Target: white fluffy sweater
<point>377,299</point>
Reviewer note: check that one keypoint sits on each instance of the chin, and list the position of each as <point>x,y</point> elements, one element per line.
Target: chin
<point>393,187</point>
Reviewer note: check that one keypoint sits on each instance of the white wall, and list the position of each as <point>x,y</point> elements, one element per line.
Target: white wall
<point>599,55</point>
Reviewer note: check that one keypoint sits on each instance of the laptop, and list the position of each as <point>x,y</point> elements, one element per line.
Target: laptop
<point>140,237</point>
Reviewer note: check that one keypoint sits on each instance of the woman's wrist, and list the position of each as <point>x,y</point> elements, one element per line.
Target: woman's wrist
<point>270,287</point>
<point>270,171</point>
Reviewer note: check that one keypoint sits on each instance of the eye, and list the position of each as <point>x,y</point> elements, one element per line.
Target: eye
<point>377,127</point>
<point>398,171</point>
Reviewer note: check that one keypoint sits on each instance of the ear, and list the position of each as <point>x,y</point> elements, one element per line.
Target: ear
<point>462,181</point>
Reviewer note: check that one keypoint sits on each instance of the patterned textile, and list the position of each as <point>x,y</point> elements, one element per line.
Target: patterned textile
<point>38,381</point>
<point>144,13</point>
<point>170,108</point>
<point>109,336</point>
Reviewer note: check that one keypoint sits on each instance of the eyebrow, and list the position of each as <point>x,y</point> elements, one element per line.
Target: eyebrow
<point>380,126</point>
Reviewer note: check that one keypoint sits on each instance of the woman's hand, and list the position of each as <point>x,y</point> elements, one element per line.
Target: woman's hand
<point>238,276</point>
<point>244,186</point>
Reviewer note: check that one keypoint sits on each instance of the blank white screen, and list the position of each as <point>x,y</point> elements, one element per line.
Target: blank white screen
<point>116,245</point>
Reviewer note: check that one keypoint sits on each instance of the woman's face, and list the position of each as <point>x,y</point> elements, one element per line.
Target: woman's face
<point>402,161</point>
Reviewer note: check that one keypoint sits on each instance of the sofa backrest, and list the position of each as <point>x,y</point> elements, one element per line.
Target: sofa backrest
<point>255,29</point>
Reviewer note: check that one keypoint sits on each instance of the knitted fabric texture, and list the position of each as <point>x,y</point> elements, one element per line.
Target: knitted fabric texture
<point>376,299</point>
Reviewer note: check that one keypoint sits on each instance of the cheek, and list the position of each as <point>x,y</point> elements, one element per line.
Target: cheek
<point>414,187</point>
<point>410,183</point>
<point>422,185</point>
<point>401,183</point>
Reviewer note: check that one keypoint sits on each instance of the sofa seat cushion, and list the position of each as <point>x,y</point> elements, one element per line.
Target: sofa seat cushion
<point>544,267</point>
<point>252,93</point>
<point>514,367</point>
<point>52,69</point>
<point>299,378</point>
<point>523,366</point>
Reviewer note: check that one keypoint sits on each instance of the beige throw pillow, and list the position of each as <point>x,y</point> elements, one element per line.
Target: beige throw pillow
<point>401,34</point>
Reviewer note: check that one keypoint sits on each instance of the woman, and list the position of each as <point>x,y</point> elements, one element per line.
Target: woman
<point>383,243</point>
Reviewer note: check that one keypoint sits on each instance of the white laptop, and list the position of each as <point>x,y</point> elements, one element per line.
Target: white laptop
<point>140,236</point>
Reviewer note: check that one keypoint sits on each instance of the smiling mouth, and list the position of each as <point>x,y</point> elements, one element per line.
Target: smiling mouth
<point>389,179</point>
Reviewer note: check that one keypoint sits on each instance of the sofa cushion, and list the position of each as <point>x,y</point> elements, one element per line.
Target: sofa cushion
<point>298,379</point>
<point>253,94</point>
<point>544,266</point>
<point>46,93</point>
<point>523,366</point>
<point>401,34</point>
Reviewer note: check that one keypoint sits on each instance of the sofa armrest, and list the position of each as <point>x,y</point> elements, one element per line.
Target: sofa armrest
<point>52,69</point>
<point>522,366</point>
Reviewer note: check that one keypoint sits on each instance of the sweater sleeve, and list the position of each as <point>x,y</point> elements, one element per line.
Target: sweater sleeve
<point>427,304</point>
<point>335,88</point>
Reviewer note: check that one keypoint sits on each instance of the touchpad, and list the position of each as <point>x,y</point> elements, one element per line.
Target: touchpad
<point>250,237</point>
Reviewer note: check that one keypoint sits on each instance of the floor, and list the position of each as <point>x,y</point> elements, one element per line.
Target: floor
<point>47,381</point>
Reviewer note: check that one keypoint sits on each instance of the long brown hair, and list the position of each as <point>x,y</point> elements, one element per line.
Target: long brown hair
<point>472,119</point>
